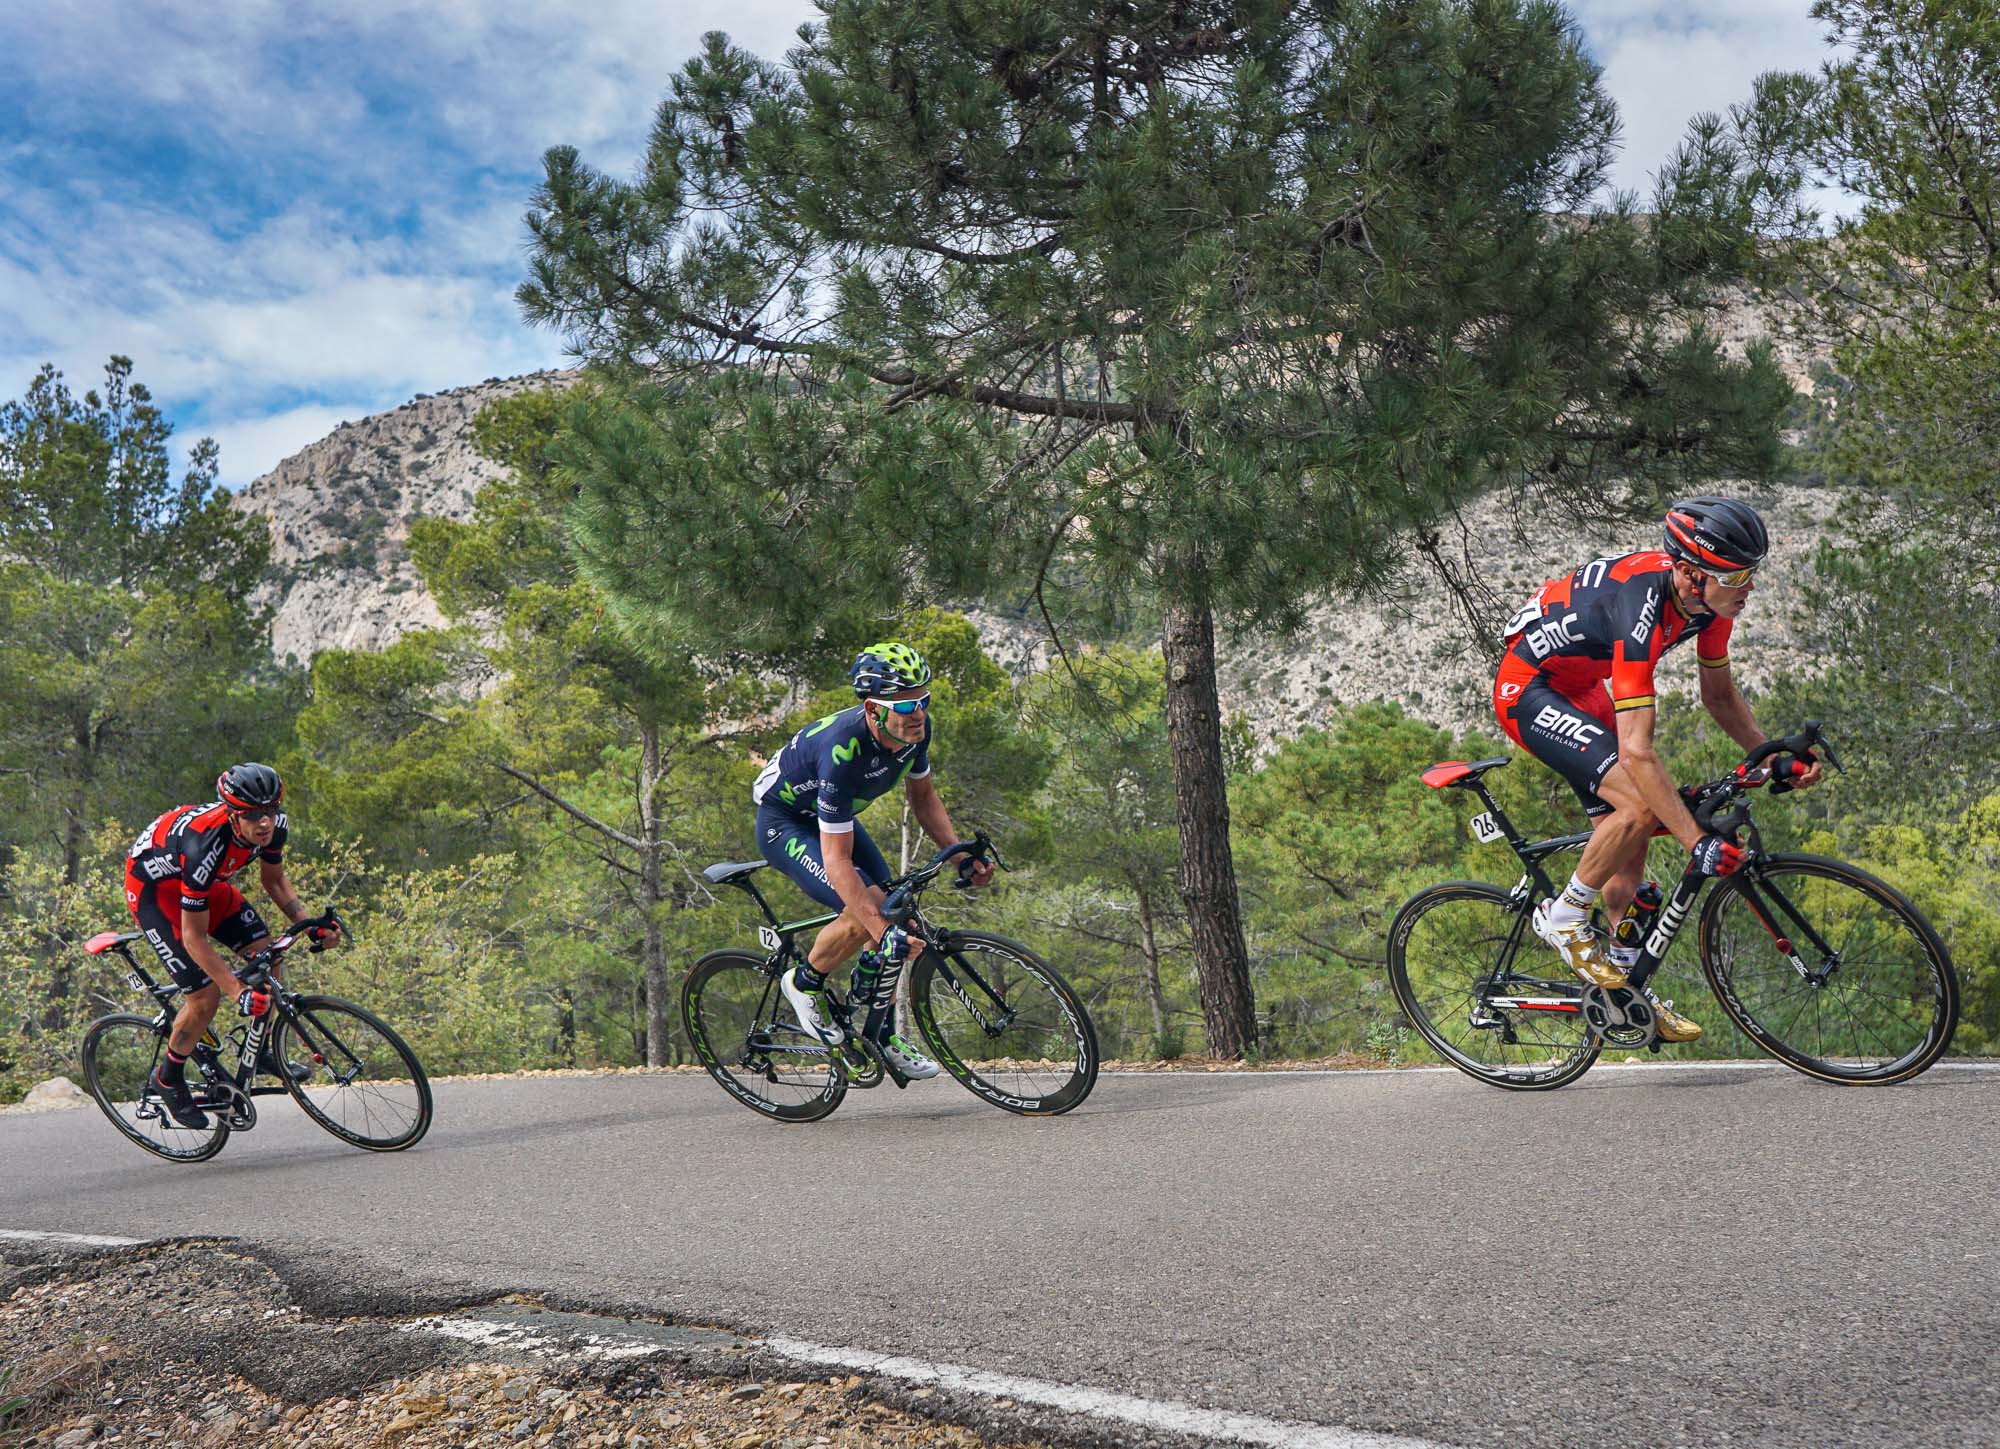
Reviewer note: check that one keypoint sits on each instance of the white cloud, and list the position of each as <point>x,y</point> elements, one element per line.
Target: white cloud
<point>253,446</point>
<point>1663,66</point>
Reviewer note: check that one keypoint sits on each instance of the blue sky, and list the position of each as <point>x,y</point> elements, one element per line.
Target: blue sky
<point>290,215</point>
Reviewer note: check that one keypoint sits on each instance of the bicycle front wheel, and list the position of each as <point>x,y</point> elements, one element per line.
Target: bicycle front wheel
<point>120,1054</point>
<point>1461,973</point>
<point>1830,970</point>
<point>364,1084</point>
<point>1005,1024</point>
<point>746,1035</point>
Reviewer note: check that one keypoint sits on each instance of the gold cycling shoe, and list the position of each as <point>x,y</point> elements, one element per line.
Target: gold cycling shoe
<point>1582,950</point>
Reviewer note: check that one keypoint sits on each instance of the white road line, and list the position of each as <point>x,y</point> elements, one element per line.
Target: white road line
<point>82,1240</point>
<point>1213,1426</point>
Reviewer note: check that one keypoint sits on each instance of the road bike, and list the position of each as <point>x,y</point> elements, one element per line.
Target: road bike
<point>345,1067</point>
<point>1820,964</point>
<point>996,1016</point>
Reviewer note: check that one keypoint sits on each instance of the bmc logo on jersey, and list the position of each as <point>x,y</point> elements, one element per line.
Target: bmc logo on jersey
<point>1643,630</point>
<point>1553,635</point>
<point>159,867</point>
<point>1556,722</point>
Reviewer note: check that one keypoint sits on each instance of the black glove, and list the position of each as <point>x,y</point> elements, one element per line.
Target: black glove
<point>895,945</point>
<point>254,1001</point>
<point>1715,856</point>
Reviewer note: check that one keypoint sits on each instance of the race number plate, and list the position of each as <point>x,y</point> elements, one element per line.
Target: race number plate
<point>767,938</point>
<point>1483,829</point>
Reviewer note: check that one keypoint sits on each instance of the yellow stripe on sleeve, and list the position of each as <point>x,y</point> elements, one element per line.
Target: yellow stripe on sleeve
<point>1722,663</point>
<point>1639,701</point>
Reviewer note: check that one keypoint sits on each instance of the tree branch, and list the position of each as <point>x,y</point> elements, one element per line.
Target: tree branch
<point>611,832</point>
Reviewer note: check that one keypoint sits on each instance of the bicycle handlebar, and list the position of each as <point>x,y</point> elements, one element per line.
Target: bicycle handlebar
<point>1795,753</point>
<point>901,900</point>
<point>258,970</point>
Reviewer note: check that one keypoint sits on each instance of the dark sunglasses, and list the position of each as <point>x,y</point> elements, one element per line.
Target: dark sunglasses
<point>904,706</point>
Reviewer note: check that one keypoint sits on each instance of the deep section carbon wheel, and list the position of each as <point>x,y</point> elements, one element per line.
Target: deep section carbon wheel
<point>362,1083</point>
<point>746,1035</point>
<point>120,1054</point>
<point>1004,1023</point>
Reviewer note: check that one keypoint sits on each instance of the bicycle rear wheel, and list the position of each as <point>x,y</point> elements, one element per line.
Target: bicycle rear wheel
<point>1445,965</point>
<point>120,1054</point>
<point>747,1036</point>
<point>365,1085</point>
<point>1005,1024</point>
<point>1873,1000</point>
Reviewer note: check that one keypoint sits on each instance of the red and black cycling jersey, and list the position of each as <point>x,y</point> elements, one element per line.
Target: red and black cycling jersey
<point>194,846</point>
<point>1611,620</point>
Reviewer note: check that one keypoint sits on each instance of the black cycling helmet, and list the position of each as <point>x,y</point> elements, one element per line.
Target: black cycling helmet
<point>888,668</point>
<point>249,786</point>
<point>1717,535</point>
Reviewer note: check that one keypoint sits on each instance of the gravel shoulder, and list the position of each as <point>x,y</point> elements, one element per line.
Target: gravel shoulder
<point>204,1343</point>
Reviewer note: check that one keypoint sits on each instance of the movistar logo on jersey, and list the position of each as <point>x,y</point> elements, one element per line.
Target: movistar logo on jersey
<point>795,848</point>
<point>814,728</point>
<point>789,795</point>
<point>846,752</point>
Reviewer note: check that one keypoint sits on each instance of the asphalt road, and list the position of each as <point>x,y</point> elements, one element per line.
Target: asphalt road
<point>1708,1256</point>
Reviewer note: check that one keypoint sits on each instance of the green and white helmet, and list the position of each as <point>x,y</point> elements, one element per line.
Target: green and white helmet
<point>887,668</point>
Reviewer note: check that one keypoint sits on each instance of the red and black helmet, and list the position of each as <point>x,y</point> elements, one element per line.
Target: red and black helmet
<point>1719,535</point>
<point>249,786</point>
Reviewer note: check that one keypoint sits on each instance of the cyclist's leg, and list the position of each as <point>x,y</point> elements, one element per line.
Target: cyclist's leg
<point>792,845</point>
<point>161,929</point>
<point>1615,859</point>
<point>1578,740</point>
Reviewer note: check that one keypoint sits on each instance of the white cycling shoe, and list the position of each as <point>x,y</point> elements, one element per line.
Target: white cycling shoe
<point>814,1012</point>
<point>908,1060</point>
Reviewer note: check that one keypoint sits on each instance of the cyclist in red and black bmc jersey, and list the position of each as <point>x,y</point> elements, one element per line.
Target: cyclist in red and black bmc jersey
<point>1609,623</point>
<point>178,889</point>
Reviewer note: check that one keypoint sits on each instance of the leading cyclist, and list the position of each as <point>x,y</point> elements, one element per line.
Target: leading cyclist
<point>807,799</point>
<point>1611,621</point>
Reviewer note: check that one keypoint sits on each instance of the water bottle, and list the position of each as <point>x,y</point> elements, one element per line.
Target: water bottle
<point>1638,918</point>
<point>861,989</point>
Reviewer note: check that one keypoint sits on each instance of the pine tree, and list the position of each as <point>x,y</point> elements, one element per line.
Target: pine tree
<point>1188,302</point>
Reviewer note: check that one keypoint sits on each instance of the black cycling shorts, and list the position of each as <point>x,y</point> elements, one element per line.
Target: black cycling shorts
<point>1577,738</point>
<point>231,920</point>
<point>793,846</point>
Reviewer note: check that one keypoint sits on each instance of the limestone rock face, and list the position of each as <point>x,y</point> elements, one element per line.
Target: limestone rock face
<point>340,514</point>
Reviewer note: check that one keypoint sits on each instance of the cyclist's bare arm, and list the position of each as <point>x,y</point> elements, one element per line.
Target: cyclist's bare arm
<point>1727,706</point>
<point>936,822</point>
<point>1650,777</point>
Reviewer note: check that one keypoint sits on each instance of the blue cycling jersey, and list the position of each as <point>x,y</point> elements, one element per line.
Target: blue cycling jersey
<point>834,766</point>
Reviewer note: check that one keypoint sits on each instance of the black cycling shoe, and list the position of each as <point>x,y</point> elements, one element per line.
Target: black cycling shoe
<point>269,1066</point>
<point>179,1102</point>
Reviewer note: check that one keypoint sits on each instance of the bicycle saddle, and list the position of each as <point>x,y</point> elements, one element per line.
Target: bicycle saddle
<point>1457,772</point>
<point>727,871</point>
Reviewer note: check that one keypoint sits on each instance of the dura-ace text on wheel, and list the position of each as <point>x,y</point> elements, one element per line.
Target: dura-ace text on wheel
<point>1460,976</point>
<point>1829,970</point>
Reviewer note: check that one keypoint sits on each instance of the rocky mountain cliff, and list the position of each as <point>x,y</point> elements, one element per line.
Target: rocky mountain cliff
<point>340,513</point>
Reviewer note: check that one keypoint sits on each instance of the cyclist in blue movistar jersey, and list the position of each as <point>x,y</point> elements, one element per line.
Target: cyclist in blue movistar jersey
<point>807,799</point>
